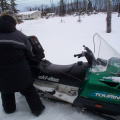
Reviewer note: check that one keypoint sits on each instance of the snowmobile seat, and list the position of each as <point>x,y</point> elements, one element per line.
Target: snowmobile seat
<point>50,68</point>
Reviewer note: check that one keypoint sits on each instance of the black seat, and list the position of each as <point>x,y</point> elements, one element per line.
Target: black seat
<point>50,68</point>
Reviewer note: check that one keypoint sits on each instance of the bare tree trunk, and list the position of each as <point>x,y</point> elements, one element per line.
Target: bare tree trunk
<point>119,10</point>
<point>105,5</point>
<point>77,5</point>
<point>85,5</point>
<point>109,11</point>
<point>62,9</point>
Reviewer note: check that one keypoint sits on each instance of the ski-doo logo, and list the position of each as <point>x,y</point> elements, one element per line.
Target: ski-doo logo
<point>115,97</point>
<point>48,78</point>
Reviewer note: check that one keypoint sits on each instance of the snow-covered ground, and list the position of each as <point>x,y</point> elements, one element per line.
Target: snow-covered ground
<point>61,40</point>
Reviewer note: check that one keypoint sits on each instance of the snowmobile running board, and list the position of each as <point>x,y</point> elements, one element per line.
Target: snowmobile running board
<point>106,117</point>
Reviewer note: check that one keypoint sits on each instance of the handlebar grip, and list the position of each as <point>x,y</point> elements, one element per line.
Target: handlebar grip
<point>75,55</point>
<point>79,55</point>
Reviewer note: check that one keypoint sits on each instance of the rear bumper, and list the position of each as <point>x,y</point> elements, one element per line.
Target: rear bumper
<point>107,108</point>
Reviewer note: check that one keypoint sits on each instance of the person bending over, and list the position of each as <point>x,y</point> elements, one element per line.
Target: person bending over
<point>15,73</point>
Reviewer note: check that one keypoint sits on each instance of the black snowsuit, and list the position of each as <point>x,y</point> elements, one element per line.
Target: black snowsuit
<point>15,73</point>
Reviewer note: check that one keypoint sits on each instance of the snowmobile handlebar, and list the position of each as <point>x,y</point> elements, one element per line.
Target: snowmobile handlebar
<point>88,55</point>
<point>87,49</point>
<point>79,55</point>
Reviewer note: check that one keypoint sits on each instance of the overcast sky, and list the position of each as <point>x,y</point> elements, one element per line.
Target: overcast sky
<point>35,2</point>
<point>21,4</point>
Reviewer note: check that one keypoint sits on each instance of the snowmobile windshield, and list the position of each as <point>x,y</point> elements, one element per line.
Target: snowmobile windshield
<point>104,54</point>
<point>102,49</point>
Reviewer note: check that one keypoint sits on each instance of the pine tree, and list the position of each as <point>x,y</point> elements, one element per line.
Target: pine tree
<point>4,5</point>
<point>90,6</point>
<point>62,8</point>
<point>84,5</point>
<point>30,9</point>
<point>77,5</point>
<point>72,7</point>
<point>105,5</point>
<point>13,6</point>
<point>38,9</point>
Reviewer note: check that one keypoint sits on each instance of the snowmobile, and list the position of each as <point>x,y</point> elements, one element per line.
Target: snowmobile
<point>93,86</point>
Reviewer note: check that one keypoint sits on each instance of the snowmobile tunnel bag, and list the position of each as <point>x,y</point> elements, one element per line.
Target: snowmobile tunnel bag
<point>37,48</point>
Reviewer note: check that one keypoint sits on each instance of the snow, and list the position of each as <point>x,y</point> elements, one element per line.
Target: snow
<point>115,79</point>
<point>61,38</point>
<point>99,68</point>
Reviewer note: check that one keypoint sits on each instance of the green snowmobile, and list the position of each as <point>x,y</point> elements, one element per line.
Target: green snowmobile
<point>93,86</point>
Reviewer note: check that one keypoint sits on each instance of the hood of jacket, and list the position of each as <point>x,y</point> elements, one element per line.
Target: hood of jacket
<point>7,24</point>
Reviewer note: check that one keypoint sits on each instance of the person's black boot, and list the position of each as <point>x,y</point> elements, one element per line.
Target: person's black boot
<point>37,113</point>
<point>8,102</point>
<point>33,100</point>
